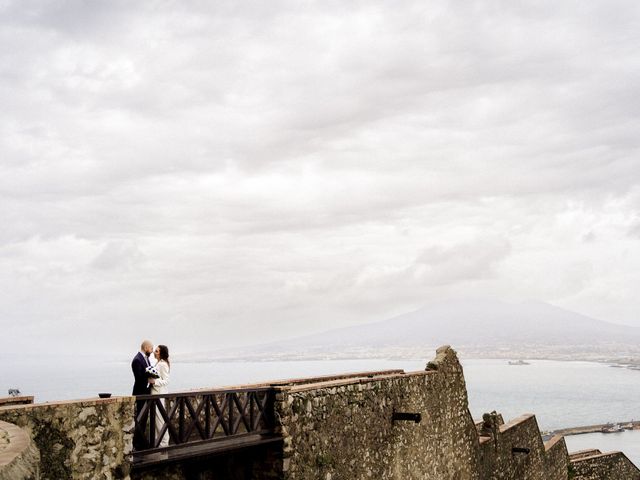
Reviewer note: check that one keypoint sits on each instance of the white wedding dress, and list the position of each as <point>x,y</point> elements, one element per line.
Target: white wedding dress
<point>161,386</point>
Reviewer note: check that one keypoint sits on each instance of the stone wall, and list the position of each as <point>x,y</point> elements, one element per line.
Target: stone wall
<point>599,466</point>
<point>515,451</point>
<point>557,457</point>
<point>86,439</point>
<point>332,428</point>
<point>344,429</point>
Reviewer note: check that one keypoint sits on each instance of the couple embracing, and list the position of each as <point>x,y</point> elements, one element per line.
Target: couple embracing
<point>151,378</point>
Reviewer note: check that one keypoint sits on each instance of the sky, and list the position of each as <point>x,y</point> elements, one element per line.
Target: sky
<point>212,174</point>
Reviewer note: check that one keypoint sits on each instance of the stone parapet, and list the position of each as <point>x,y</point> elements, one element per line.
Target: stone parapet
<point>344,428</point>
<point>22,400</point>
<point>604,466</point>
<point>84,439</point>
<point>557,457</point>
<point>387,425</point>
<point>515,451</point>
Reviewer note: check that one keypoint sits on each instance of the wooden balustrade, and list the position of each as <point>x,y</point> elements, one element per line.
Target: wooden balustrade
<point>202,420</point>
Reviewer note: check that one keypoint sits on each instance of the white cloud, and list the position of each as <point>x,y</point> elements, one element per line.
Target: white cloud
<point>249,170</point>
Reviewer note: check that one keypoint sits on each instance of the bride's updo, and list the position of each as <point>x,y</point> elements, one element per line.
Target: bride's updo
<point>164,353</point>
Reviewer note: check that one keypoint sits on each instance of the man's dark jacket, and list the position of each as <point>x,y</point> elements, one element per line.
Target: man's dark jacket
<point>138,365</point>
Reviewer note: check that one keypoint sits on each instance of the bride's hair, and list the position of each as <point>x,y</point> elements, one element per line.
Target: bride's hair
<point>164,354</point>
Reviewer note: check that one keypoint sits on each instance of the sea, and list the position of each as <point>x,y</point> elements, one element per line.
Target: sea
<point>561,393</point>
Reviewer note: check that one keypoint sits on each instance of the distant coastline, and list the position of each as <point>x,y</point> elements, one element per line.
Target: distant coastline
<point>600,428</point>
<point>476,329</point>
<point>629,360</point>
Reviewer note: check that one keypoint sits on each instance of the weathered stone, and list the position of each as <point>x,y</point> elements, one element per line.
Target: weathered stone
<point>332,428</point>
<point>76,440</point>
<point>612,465</point>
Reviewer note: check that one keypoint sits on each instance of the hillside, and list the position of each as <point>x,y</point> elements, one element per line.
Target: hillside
<point>480,323</point>
<point>475,327</point>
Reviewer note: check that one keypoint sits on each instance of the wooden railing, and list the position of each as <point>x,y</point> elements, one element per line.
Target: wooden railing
<point>200,417</point>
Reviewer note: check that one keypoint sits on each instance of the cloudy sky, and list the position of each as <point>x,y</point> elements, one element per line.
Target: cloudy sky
<point>222,173</point>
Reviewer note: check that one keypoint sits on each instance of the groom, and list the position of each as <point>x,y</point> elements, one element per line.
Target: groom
<point>141,386</point>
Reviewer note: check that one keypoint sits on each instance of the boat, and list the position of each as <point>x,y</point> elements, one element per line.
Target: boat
<point>518,362</point>
<point>612,428</point>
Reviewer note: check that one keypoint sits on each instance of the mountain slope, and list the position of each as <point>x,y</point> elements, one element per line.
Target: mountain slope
<point>482,328</point>
<point>477,323</point>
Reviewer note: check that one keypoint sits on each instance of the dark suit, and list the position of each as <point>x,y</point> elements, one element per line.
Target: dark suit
<point>138,366</point>
<point>140,387</point>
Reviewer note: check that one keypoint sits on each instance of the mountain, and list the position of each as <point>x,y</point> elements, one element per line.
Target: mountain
<point>482,328</point>
<point>479,322</point>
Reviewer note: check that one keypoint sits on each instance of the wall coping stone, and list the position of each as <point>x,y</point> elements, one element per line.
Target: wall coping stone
<point>584,453</point>
<point>549,444</point>
<point>16,400</point>
<point>516,421</point>
<point>356,381</point>
<point>284,384</point>
<point>85,402</point>
<point>599,455</point>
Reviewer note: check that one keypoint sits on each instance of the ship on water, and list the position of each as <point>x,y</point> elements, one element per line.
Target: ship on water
<point>612,428</point>
<point>518,362</point>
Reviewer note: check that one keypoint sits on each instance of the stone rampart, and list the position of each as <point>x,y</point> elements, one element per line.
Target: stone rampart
<point>557,457</point>
<point>387,425</point>
<point>612,465</point>
<point>85,439</point>
<point>344,428</point>
<point>515,451</point>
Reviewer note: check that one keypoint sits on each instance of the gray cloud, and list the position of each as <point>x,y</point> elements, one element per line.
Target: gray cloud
<point>278,168</point>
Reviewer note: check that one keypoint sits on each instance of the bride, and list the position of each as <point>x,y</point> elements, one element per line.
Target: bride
<point>160,386</point>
